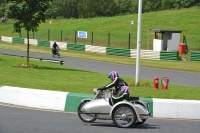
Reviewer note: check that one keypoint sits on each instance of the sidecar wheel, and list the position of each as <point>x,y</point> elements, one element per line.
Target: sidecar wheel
<point>85,117</point>
<point>124,116</point>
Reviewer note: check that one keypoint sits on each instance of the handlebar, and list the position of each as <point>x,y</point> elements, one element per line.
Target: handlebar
<point>101,94</point>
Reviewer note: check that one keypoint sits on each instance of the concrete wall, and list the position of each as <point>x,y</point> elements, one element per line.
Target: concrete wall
<point>65,101</point>
<point>170,108</point>
<point>42,99</point>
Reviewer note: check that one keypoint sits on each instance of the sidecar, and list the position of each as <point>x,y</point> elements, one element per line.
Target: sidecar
<point>124,113</point>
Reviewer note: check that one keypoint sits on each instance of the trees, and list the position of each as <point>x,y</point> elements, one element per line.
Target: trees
<point>3,6</point>
<point>67,8</point>
<point>29,14</point>
<point>99,8</point>
<point>2,9</point>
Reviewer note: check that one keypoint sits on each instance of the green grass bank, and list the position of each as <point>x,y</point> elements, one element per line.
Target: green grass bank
<point>186,20</point>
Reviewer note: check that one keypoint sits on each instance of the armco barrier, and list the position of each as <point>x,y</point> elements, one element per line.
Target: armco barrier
<point>18,40</point>
<point>118,51</point>
<point>43,43</point>
<point>95,49</point>
<point>6,39</point>
<point>146,54</point>
<point>77,47</point>
<point>31,41</point>
<point>167,55</point>
<point>195,56</point>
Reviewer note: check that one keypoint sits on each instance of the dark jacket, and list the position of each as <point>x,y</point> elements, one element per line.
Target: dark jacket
<point>55,46</point>
<point>117,83</point>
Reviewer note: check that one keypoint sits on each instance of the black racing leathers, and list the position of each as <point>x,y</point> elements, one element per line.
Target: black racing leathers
<point>55,49</point>
<point>55,46</point>
<point>117,83</point>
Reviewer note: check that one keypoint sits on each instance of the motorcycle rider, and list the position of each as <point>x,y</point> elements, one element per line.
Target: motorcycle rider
<point>55,48</point>
<point>121,90</point>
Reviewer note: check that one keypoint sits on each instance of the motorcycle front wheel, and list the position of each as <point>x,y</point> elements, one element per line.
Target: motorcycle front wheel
<point>84,117</point>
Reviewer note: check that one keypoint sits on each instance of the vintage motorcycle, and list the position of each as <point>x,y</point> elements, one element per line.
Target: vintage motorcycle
<point>55,52</point>
<point>123,113</point>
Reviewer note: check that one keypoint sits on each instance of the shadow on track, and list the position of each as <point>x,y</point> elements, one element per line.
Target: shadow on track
<point>143,126</point>
<point>65,69</point>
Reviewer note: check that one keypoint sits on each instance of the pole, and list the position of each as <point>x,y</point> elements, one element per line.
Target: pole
<point>20,34</point>
<point>129,40</point>
<point>75,37</point>
<point>49,29</point>
<point>61,36</point>
<point>137,80</point>
<point>92,38</point>
<point>48,34</point>
<point>108,39</point>
<point>131,23</point>
<point>148,39</point>
<point>33,35</point>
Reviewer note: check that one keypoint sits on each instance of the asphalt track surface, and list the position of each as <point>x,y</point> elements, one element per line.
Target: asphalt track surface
<point>21,120</point>
<point>175,77</point>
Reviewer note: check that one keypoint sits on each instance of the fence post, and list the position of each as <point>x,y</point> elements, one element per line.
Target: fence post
<point>92,38</point>
<point>108,39</point>
<point>129,40</point>
<point>75,37</point>
<point>20,33</point>
<point>48,34</point>
<point>61,36</point>
<point>33,34</point>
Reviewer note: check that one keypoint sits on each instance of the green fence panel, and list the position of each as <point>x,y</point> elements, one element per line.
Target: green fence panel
<point>118,51</point>
<point>74,99</point>
<point>18,40</point>
<point>43,43</point>
<point>77,47</point>
<point>195,56</point>
<point>167,55</point>
<point>150,101</point>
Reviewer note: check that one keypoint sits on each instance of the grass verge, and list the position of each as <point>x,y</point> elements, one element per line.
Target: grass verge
<point>52,76</point>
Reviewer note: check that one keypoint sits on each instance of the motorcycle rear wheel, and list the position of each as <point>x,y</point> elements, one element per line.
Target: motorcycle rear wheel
<point>84,117</point>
